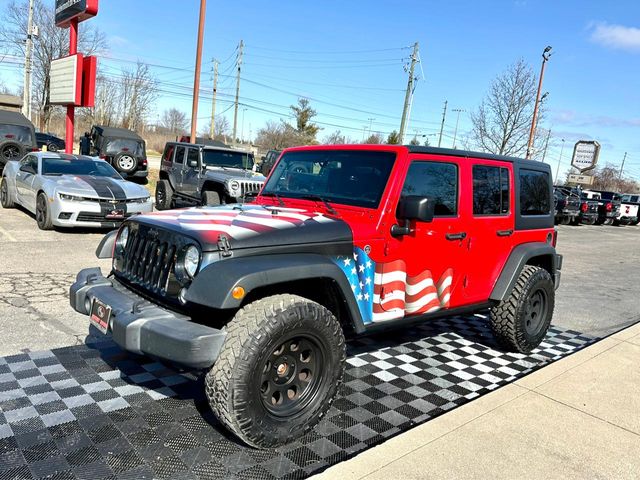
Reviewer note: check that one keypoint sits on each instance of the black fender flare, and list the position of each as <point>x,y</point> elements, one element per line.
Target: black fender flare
<point>212,287</point>
<point>518,258</point>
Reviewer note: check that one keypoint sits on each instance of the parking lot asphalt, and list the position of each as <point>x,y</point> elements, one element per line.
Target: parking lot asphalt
<point>598,294</point>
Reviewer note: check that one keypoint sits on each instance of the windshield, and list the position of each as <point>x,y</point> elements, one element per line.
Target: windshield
<point>224,158</point>
<point>60,166</point>
<point>135,147</point>
<point>355,178</point>
<point>17,133</point>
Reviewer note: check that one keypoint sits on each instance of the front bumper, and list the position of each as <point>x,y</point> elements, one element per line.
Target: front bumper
<point>66,213</point>
<point>142,327</point>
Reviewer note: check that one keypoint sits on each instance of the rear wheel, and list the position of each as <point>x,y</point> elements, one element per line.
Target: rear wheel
<point>10,150</point>
<point>52,147</point>
<point>43,214</point>
<point>635,222</point>
<point>279,370</point>
<point>164,195</point>
<point>5,197</point>
<point>210,198</point>
<point>566,220</point>
<point>608,221</point>
<point>520,322</point>
<point>589,221</point>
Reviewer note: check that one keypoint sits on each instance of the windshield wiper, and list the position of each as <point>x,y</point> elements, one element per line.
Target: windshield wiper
<point>318,198</point>
<point>53,174</point>
<point>273,194</point>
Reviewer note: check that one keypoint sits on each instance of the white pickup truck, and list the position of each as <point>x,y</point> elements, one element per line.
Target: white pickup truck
<point>629,209</point>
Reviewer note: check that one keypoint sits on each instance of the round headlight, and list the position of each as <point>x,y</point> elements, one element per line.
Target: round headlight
<point>191,260</point>
<point>234,185</point>
<point>123,236</point>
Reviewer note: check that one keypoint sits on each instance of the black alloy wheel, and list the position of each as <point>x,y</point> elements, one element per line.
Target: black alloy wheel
<point>290,376</point>
<point>43,218</point>
<point>536,312</point>
<point>10,152</point>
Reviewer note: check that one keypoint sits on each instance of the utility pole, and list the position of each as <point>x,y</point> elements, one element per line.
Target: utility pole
<point>545,59</point>
<point>444,116</point>
<point>455,132</point>
<point>546,145</point>
<point>409,95</point>
<point>622,167</point>
<point>212,131</point>
<point>26,98</point>
<point>370,123</point>
<point>196,78</point>
<point>235,110</point>
<point>559,160</point>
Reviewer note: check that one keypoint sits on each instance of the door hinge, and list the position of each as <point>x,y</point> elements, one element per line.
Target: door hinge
<point>224,246</point>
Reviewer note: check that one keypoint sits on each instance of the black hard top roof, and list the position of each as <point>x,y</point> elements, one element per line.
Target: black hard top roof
<point>117,132</point>
<point>14,118</point>
<point>472,154</point>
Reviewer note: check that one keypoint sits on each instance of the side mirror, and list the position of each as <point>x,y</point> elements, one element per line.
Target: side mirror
<point>193,163</point>
<point>412,207</point>
<point>27,169</point>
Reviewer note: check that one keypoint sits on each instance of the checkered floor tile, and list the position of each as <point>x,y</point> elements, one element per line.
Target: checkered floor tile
<point>94,411</point>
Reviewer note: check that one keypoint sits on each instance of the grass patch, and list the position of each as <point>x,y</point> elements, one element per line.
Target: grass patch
<point>154,175</point>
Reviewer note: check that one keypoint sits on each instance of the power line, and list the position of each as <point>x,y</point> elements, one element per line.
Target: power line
<point>328,52</point>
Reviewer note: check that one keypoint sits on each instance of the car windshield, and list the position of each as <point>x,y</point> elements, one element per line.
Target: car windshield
<point>135,147</point>
<point>18,133</point>
<point>225,158</point>
<point>355,178</point>
<point>61,166</point>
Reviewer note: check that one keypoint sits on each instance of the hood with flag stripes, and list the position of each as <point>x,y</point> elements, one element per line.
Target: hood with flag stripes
<point>254,226</point>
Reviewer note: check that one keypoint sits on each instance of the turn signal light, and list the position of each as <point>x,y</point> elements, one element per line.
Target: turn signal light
<point>238,293</point>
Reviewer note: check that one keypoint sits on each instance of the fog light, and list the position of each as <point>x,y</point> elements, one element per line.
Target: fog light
<point>182,296</point>
<point>65,216</point>
<point>238,293</point>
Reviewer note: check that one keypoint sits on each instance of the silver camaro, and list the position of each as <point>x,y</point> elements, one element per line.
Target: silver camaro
<point>71,191</point>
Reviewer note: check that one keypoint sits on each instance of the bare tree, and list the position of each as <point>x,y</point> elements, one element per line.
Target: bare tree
<point>174,120</point>
<point>502,121</point>
<point>139,91</point>
<point>335,138</point>
<point>51,43</point>
<point>608,178</point>
<point>374,139</point>
<point>277,136</point>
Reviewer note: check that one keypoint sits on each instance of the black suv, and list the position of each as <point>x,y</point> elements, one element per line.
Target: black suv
<point>17,137</point>
<point>268,161</point>
<point>567,205</point>
<point>123,149</point>
<point>205,175</point>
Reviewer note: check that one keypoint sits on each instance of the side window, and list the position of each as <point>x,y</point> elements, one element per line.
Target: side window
<point>179,155</point>
<point>490,190</point>
<point>168,153</point>
<point>192,155</point>
<point>436,181</point>
<point>534,193</point>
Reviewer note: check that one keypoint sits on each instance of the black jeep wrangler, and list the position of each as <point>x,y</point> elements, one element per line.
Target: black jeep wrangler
<point>123,149</point>
<point>17,137</point>
<point>200,174</point>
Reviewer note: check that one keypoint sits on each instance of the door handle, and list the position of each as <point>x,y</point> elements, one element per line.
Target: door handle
<point>456,236</point>
<point>504,233</point>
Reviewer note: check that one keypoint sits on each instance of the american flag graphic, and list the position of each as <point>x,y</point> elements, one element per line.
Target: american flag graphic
<point>384,291</point>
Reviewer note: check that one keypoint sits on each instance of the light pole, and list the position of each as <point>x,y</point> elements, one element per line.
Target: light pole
<point>455,132</point>
<point>545,58</point>
<point>196,77</point>
<point>559,160</point>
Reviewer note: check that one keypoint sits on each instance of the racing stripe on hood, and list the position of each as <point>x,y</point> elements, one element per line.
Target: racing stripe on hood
<point>105,187</point>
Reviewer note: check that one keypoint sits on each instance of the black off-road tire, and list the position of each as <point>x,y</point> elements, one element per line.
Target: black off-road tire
<point>634,222</point>
<point>589,221</point>
<point>43,212</point>
<point>509,319</point>
<point>10,150</point>
<point>608,221</point>
<point>5,197</point>
<point>210,198</point>
<point>565,220</point>
<point>258,331</point>
<point>164,195</point>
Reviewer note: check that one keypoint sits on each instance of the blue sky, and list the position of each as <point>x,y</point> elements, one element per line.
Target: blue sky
<point>353,54</point>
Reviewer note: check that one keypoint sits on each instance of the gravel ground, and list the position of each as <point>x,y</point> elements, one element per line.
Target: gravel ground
<point>599,292</point>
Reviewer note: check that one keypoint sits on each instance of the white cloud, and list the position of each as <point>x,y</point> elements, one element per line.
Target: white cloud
<point>616,36</point>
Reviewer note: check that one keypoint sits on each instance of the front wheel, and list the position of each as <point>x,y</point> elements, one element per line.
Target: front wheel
<point>5,197</point>
<point>521,321</point>
<point>43,214</point>
<point>279,370</point>
<point>164,195</point>
<point>210,199</point>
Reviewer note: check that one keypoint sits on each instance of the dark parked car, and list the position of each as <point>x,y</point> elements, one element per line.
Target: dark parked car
<point>268,161</point>
<point>50,141</point>
<point>17,137</point>
<point>123,149</point>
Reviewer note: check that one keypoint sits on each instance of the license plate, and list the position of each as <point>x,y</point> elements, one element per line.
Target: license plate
<point>100,315</point>
<point>115,215</point>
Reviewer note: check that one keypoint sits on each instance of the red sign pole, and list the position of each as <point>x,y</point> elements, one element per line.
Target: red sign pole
<point>73,49</point>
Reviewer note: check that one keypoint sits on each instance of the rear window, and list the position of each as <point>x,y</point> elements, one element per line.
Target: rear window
<point>535,196</point>
<point>16,133</point>
<point>490,190</point>
<point>168,153</point>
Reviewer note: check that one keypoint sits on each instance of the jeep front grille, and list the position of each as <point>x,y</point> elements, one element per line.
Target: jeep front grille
<point>248,187</point>
<point>148,262</point>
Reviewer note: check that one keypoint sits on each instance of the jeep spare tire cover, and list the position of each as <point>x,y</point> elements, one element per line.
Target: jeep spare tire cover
<point>125,162</point>
<point>11,150</point>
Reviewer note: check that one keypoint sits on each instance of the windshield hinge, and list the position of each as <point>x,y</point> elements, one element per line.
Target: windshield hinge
<point>224,246</point>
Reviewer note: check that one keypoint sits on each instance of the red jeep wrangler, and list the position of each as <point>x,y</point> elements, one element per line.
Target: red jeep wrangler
<point>341,241</point>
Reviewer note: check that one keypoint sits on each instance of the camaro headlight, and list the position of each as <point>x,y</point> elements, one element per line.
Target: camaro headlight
<point>123,237</point>
<point>234,187</point>
<point>191,260</point>
<point>70,198</point>
<point>140,200</point>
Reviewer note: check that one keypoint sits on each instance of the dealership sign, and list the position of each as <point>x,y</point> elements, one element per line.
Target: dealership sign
<point>66,80</point>
<point>585,155</point>
<point>67,10</point>
<point>581,179</point>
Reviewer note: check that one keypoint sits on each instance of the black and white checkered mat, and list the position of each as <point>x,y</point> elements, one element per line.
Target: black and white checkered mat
<point>94,411</point>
